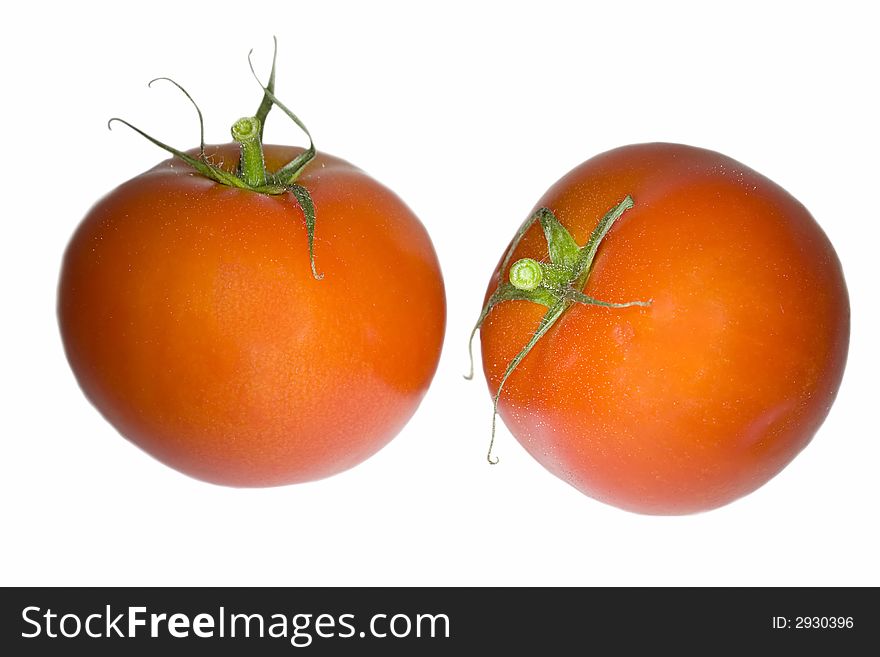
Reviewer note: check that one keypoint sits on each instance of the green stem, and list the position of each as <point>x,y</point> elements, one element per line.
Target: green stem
<point>246,132</point>
<point>526,274</point>
<point>251,173</point>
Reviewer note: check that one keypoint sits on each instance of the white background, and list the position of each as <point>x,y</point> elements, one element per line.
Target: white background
<point>469,111</point>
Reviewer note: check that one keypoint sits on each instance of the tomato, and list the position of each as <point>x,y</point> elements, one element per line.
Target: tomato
<point>725,372</point>
<point>191,318</point>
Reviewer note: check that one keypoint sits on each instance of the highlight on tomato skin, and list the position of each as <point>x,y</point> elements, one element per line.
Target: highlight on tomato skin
<point>251,314</point>
<point>718,375</point>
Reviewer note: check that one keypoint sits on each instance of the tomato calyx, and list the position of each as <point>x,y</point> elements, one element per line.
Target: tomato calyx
<point>557,284</point>
<point>251,173</point>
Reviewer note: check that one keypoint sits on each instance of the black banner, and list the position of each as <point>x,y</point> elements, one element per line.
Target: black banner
<point>436,621</point>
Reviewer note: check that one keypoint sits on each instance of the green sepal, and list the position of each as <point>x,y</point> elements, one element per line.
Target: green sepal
<point>553,314</point>
<point>562,248</point>
<point>304,199</point>
<point>287,174</point>
<point>580,297</point>
<point>266,102</point>
<point>505,292</point>
<point>290,171</point>
<point>588,252</point>
<point>202,155</point>
<point>208,170</point>
<point>271,188</point>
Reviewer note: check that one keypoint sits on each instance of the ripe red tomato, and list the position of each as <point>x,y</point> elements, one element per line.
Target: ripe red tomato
<point>193,322</point>
<point>705,394</point>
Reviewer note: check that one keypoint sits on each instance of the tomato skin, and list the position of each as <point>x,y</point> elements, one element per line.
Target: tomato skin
<point>704,396</point>
<point>191,319</point>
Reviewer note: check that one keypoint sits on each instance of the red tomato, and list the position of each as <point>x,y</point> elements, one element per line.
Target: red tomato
<point>192,321</point>
<point>704,395</point>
